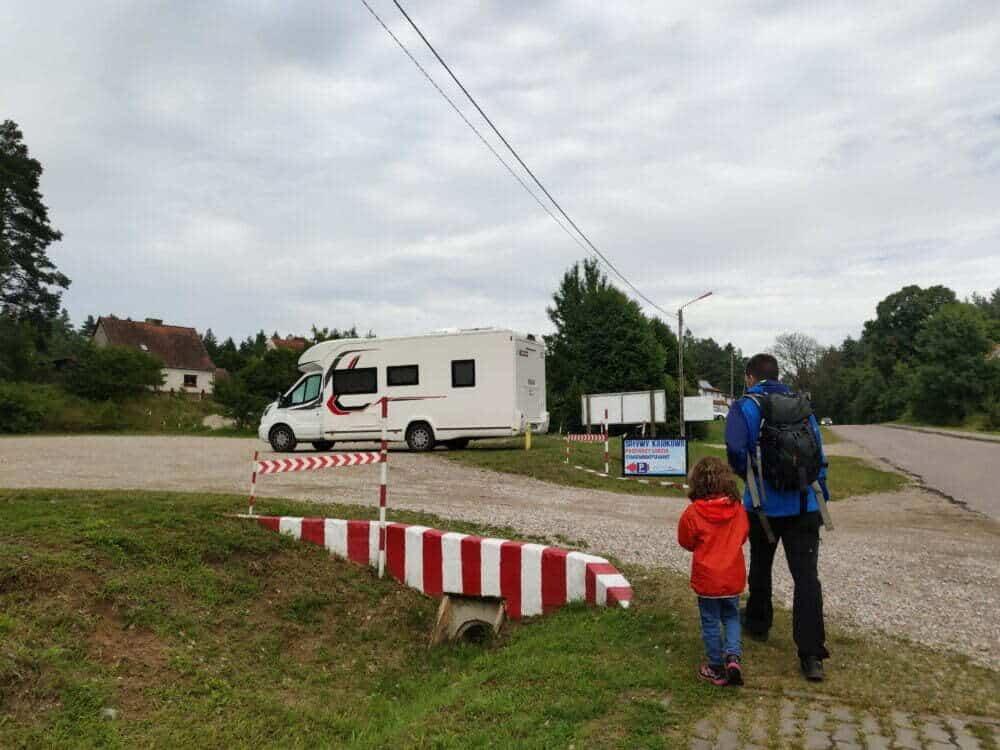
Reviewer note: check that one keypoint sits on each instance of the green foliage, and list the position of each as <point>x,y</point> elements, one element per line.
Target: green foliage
<point>21,408</point>
<point>892,336</point>
<point>113,372</point>
<point>923,358</point>
<point>35,407</point>
<point>951,376</point>
<point>29,281</point>
<point>602,342</point>
<point>18,353</point>
<point>245,393</point>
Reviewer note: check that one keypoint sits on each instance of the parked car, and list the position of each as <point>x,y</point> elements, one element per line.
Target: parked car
<point>826,421</point>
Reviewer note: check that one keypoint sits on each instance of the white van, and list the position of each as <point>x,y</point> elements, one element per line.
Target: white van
<point>480,383</point>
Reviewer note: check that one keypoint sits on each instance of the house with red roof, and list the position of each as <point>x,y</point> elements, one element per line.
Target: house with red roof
<point>187,367</point>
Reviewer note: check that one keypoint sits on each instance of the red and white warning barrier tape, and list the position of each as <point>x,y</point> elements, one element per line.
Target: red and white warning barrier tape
<point>310,463</point>
<point>532,578</point>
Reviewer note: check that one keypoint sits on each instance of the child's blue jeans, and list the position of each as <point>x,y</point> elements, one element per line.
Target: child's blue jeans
<point>720,627</point>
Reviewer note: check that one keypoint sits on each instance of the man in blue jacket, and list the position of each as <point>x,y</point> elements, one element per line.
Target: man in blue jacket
<point>791,516</point>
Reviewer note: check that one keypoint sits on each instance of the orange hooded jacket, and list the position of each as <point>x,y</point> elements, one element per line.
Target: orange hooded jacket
<point>714,528</point>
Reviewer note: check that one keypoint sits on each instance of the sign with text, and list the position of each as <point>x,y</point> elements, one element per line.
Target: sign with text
<point>654,457</point>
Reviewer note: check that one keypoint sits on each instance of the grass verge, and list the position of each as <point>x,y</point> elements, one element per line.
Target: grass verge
<point>849,477</point>
<point>195,630</point>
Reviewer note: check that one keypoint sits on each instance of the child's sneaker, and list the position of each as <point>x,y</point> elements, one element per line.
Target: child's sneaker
<point>710,673</point>
<point>734,672</point>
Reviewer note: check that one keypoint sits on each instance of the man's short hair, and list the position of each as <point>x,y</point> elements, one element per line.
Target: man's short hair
<point>763,367</point>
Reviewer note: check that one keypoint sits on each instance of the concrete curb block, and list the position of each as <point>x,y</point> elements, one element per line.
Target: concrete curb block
<point>532,578</point>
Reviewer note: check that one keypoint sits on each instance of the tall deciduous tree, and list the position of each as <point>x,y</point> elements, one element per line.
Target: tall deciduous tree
<point>602,342</point>
<point>891,337</point>
<point>797,356</point>
<point>29,281</point>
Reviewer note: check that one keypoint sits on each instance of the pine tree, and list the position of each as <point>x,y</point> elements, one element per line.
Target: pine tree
<point>29,281</point>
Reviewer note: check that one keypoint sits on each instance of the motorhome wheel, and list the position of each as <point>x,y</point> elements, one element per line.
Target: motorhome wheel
<point>282,438</point>
<point>420,437</point>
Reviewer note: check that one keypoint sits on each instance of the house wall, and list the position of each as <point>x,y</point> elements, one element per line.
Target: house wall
<point>174,380</point>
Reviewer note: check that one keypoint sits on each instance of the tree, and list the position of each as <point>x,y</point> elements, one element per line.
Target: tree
<point>327,334</point>
<point>797,356</point>
<point>211,344</point>
<point>891,337</point>
<point>18,353</point>
<point>113,372</point>
<point>88,327</point>
<point>229,356</point>
<point>951,375</point>
<point>602,342</point>
<point>245,394</point>
<point>29,281</point>
<point>989,305</point>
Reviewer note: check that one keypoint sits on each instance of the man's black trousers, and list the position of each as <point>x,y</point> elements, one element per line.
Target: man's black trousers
<point>799,535</point>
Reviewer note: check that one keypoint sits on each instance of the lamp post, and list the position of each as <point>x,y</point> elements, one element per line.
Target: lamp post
<point>680,355</point>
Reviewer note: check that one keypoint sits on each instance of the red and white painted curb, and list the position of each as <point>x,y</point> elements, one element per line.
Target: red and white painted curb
<point>532,578</point>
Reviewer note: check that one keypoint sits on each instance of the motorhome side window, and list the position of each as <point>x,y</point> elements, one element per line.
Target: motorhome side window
<point>361,380</point>
<point>402,375</point>
<point>305,391</point>
<point>463,373</point>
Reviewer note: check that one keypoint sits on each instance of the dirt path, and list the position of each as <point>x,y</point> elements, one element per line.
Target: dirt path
<point>908,562</point>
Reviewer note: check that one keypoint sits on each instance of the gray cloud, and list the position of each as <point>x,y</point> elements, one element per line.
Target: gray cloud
<point>252,165</point>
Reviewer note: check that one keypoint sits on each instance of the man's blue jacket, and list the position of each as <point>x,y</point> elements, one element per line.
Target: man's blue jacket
<point>742,434</point>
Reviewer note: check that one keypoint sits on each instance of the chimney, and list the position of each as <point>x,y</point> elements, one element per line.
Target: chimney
<point>155,321</point>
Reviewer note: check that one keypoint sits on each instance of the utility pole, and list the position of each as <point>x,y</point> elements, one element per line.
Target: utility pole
<point>680,366</point>
<point>680,356</point>
<point>732,373</point>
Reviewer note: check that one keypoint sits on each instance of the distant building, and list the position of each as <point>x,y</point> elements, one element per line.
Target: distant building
<point>187,367</point>
<point>295,343</point>
<point>720,401</point>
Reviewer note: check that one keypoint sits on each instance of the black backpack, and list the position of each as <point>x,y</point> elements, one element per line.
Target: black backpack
<point>789,453</point>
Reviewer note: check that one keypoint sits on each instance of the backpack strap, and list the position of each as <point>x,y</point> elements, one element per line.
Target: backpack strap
<point>755,474</point>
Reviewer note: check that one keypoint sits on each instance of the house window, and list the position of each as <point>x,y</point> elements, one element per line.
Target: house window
<point>402,375</point>
<point>361,380</point>
<point>463,373</point>
<point>190,381</point>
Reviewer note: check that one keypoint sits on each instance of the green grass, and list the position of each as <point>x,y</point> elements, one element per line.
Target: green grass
<point>63,413</point>
<point>849,477</point>
<point>207,631</point>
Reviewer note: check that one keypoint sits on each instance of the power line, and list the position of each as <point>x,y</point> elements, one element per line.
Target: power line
<point>592,247</point>
<point>475,130</point>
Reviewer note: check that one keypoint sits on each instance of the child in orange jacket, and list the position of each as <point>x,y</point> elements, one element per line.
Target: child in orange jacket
<point>715,526</point>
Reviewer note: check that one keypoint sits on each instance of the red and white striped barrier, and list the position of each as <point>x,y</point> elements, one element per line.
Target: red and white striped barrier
<point>332,461</point>
<point>532,578</point>
<point>574,437</point>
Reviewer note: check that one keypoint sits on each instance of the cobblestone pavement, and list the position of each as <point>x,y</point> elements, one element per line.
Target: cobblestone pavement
<point>794,721</point>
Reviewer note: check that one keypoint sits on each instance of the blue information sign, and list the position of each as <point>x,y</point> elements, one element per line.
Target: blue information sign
<point>654,457</point>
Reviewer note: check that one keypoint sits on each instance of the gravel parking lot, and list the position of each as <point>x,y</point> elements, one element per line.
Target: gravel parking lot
<point>908,562</point>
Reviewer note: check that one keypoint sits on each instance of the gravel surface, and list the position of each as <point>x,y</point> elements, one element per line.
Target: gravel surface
<point>962,469</point>
<point>908,562</point>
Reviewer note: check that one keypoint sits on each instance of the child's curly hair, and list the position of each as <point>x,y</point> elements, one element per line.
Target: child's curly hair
<point>712,476</point>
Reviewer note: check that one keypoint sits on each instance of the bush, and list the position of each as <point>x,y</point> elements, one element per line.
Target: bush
<point>113,372</point>
<point>22,407</point>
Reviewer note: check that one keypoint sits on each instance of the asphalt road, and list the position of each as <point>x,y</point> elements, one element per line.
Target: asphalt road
<point>963,470</point>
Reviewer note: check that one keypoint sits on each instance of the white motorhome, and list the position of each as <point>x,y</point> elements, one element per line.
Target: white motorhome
<point>472,383</point>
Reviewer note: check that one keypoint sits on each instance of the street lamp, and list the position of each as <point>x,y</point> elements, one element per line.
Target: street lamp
<point>680,354</point>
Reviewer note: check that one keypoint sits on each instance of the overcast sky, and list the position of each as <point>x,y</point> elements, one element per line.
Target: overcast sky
<point>269,165</point>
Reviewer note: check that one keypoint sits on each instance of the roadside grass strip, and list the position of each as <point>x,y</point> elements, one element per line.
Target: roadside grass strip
<point>147,619</point>
<point>849,477</point>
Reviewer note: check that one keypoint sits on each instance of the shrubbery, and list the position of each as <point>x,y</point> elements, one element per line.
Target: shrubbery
<point>113,372</point>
